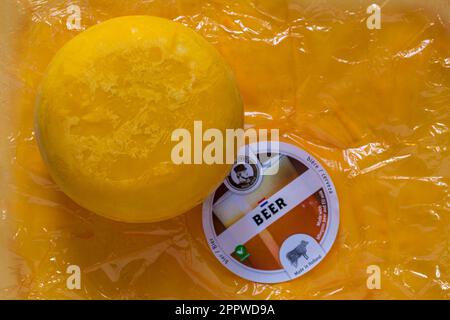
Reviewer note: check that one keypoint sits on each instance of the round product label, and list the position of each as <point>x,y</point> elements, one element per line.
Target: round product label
<point>276,215</point>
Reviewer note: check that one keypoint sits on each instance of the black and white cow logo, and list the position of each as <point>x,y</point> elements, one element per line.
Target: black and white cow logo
<point>297,252</point>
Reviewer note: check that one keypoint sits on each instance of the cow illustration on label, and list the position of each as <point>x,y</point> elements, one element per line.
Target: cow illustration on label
<point>297,252</point>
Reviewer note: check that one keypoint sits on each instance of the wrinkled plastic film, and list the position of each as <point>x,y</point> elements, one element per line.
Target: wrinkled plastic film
<point>371,105</point>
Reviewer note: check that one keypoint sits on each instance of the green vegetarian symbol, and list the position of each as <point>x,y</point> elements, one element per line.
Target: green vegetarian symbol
<point>241,252</point>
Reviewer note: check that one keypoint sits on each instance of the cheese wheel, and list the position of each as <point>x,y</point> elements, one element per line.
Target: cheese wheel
<point>109,104</point>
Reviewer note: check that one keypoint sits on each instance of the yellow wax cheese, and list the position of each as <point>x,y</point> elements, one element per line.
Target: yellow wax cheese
<point>109,104</point>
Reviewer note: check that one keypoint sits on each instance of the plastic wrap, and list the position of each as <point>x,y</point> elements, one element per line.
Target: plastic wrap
<point>372,105</point>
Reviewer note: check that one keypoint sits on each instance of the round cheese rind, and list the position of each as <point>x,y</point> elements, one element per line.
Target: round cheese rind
<point>109,105</point>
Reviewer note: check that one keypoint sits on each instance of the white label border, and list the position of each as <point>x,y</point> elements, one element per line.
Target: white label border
<point>276,276</point>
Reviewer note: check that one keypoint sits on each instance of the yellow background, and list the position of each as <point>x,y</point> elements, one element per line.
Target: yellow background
<point>371,105</point>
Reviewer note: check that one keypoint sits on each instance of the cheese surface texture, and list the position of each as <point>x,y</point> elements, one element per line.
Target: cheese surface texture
<point>109,103</point>
<point>371,105</point>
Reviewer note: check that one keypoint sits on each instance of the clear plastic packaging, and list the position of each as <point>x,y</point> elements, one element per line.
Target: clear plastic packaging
<point>372,105</point>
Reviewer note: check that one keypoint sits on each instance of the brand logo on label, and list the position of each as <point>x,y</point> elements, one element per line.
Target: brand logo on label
<point>245,176</point>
